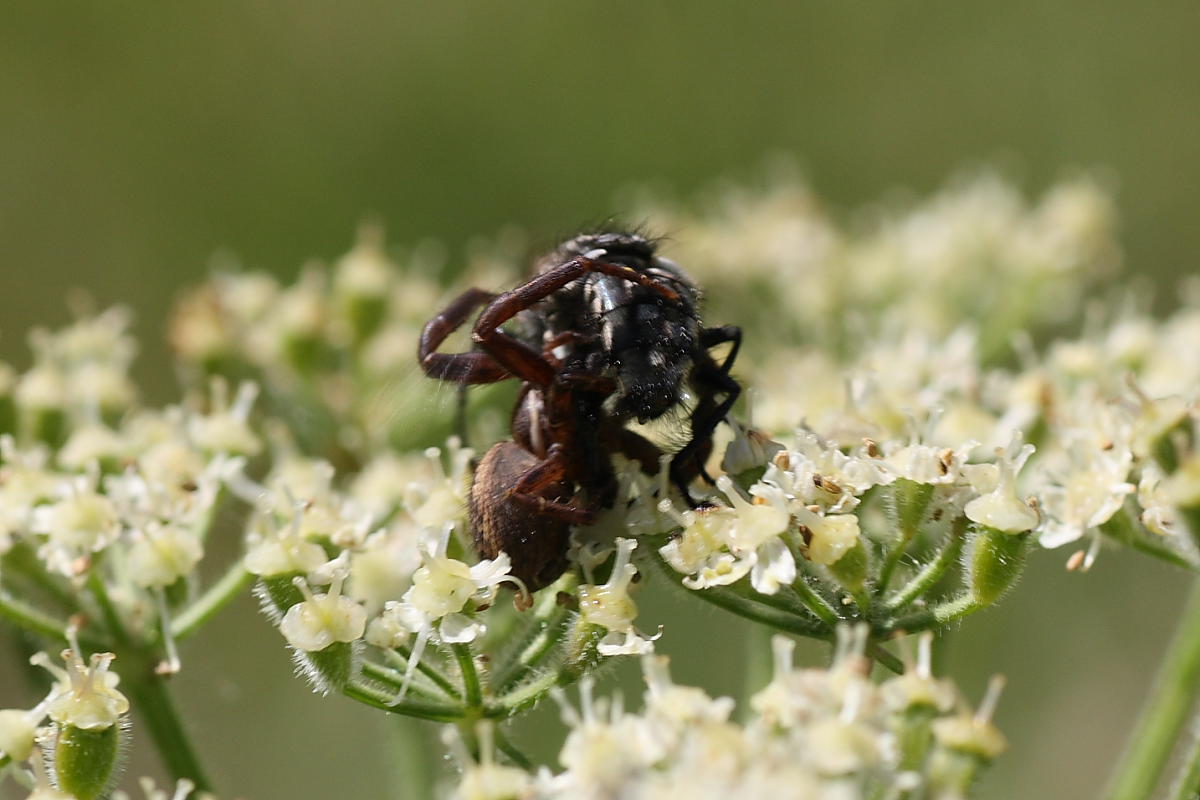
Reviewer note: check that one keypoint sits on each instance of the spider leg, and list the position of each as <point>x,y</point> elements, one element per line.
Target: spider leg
<point>711,379</point>
<point>635,447</point>
<point>711,337</point>
<point>518,357</point>
<point>543,475</point>
<point>461,368</point>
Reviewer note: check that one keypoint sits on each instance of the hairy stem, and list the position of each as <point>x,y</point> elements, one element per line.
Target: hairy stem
<point>941,614</point>
<point>932,572</point>
<point>547,634</point>
<point>472,692</point>
<point>505,745</point>
<point>815,603</point>
<point>31,619</point>
<point>394,680</point>
<point>1171,700</point>
<point>400,658</point>
<point>368,695</point>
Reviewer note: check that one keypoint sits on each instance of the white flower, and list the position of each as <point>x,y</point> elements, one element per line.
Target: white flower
<point>283,552</point>
<point>17,730</point>
<point>322,619</point>
<point>974,733</point>
<point>1088,495</point>
<point>443,585</point>
<point>226,429</point>
<point>605,749</point>
<point>365,270</point>
<point>162,553</point>
<point>84,696</point>
<point>43,387</point>
<point>88,443</point>
<point>610,606</point>
<point>1000,508</point>
<point>382,569</point>
<point>699,551</point>
<point>444,499</point>
<point>827,537</point>
<point>81,523</point>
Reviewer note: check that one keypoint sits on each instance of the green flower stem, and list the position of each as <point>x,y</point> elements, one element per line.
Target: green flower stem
<point>1126,528</point>
<point>5,760</point>
<point>808,597</point>
<point>216,597</point>
<point>400,658</point>
<point>1171,701</point>
<point>582,656</point>
<point>148,690</point>
<point>932,572</point>
<point>394,680</point>
<point>785,600</point>
<point>547,630</point>
<point>910,500</point>
<point>154,704</point>
<point>472,692</point>
<point>31,619</point>
<point>505,745</point>
<point>1187,783</point>
<point>758,665</point>
<point>815,603</point>
<point>939,615</point>
<point>206,521</point>
<point>22,560</point>
<point>368,695</point>
<point>730,600</point>
<point>877,653</point>
<point>108,612</point>
<point>528,694</point>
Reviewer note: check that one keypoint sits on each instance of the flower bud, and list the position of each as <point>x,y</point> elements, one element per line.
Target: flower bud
<point>8,402</point>
<point>86,761</point>
<point>909,502</point>
<point>324,630</point>
<point>91,724</point>
<point>996,560</point>
<point>747,456</point>
<point>41,396</point>
<point>17,730</point>
<point>852,569</point>
<point>361,282</point>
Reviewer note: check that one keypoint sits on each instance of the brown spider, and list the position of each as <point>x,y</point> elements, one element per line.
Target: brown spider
<point>613,335</point>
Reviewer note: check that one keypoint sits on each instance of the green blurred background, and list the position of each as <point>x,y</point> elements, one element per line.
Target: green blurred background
<point>141,138</point>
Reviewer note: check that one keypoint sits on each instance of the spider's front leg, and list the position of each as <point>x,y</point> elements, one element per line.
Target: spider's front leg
<point>518,357</point>
<point>460,368</point>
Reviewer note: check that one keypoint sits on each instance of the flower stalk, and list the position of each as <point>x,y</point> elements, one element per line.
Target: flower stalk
<point>1171,701</point>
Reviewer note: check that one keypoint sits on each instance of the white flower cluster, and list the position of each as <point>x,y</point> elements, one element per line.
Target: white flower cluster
<point>336,347</point>
<point>382,546</point>
<point>917,267</point>
<point>96,485</point>
<point>1111,416</point>
<point>828,734</point>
